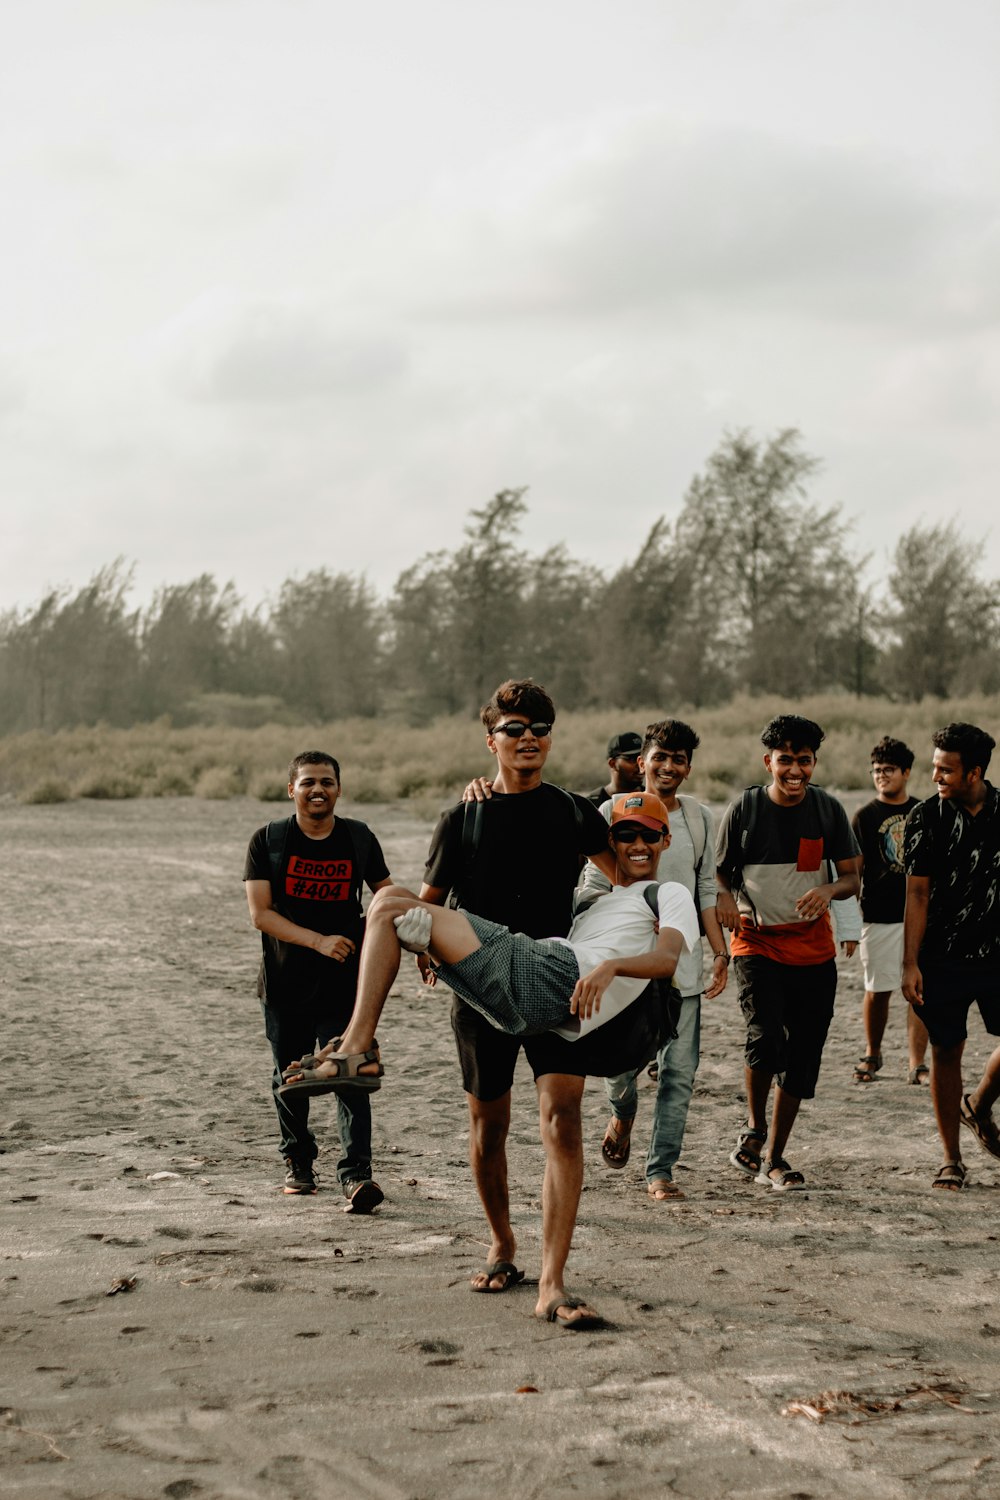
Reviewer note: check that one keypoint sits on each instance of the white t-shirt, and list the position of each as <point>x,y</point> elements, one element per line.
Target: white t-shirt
<point>621,925</point>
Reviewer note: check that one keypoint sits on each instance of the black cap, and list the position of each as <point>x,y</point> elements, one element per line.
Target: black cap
<point>628,743</point>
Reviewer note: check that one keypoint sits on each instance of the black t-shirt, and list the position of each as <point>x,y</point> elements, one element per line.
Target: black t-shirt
<point>598,796</point>
<point>961,856</point>
<point>879,829</point>
<point>318,890</point>
<point>528,860</point>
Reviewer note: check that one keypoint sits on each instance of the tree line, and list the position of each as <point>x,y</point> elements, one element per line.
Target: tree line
<point>750,587</point>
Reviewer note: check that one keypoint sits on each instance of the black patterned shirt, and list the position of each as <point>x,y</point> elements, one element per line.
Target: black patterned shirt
<point>961,856</point>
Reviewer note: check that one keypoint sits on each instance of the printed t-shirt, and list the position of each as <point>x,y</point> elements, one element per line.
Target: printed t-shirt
<point>878,827</point>
<point>317,891</point>
<point>961,855</point>
<point>528,860</point>
<point>787,857</point>
<point>621,925</point>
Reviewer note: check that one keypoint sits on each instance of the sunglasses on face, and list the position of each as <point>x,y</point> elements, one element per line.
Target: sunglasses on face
<point>629,835</point>
<point>514,731</point>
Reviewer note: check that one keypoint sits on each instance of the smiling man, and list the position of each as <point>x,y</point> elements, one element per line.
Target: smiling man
<point>303,878</point>
<point>773,858</point>
<point>665,761</point>
<point>514,859</point>
<point>951,933</point>
<point>575,995</point>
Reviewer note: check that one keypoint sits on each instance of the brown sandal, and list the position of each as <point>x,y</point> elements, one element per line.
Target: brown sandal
<point>663,1190</point>
<point>616,1146</point>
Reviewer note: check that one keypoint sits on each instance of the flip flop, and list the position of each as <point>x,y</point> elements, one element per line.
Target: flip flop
<point>983,1127</point>
<point>616,1147</point>
<point>572,1325</point>
<point>499,1268</point>
<point>663,1190</point>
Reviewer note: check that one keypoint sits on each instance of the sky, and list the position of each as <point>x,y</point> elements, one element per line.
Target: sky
<point>294,284</point>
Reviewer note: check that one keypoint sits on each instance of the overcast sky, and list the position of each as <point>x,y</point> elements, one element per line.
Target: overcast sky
<point>296,283</point>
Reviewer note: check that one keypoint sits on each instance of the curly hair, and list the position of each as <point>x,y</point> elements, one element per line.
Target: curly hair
<point>793,730</point>
<point>521,695</point>
<point>968,741</point>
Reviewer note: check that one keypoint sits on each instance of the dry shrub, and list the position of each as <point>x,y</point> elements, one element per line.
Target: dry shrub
<point>49,789</point>
<point>108,786</point>
<point>270,787</point>
<point>219,783</point>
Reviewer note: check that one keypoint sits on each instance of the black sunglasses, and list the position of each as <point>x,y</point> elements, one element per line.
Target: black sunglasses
<point>514,731</point>
<point>629,835</point>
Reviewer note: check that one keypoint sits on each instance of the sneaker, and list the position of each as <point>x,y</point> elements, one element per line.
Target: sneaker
<point>362,1196</point>
<point>300,1177</point>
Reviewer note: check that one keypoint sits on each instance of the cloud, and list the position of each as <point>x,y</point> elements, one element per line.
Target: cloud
<point>219,349</point>
<point>652,215</point>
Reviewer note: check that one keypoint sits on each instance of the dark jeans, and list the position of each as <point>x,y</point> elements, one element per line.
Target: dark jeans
<point>292,1032</point>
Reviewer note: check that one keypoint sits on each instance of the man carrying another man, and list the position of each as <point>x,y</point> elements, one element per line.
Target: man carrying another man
<point>579,994</point>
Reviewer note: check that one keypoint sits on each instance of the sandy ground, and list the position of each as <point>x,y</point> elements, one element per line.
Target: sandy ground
<point>274,1347</point>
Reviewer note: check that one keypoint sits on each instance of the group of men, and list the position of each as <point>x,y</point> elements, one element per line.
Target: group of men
<point>618,985</point>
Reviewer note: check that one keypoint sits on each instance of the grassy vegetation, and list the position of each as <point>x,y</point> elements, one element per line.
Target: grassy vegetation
<point>384,762</point>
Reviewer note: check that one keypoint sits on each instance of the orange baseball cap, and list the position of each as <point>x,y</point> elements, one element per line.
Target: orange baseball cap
<point>640,807</point>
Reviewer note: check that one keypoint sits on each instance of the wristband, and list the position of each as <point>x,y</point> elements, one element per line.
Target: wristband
<point>724,956</point>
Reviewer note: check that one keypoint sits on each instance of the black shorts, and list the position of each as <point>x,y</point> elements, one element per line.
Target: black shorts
<point>951,986</point>
<point>788,1009</point>
<point>488,1056</point>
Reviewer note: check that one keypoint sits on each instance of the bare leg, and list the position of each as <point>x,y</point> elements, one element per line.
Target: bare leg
<point>559,1096</point>
<point>917,1039</point>
<point>452,939</point>
<point>786,1107</point>
<point>489,1121</point>
<point>758,1087</point>
<point>946,1094</point>
<point>875,1013</point>
<point>987,1092</point>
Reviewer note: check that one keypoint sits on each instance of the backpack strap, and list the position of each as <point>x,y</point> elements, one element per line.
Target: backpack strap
<point>278,836</point>
<point>360,836</point>
<point>585,899</point>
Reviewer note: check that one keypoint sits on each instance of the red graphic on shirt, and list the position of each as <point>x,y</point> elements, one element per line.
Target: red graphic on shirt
<point>318,879</point>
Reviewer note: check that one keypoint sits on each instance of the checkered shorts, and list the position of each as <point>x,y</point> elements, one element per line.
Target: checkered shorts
<point>521,985</point>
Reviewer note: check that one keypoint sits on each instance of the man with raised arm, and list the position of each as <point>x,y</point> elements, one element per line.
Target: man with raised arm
<point>585,997</point>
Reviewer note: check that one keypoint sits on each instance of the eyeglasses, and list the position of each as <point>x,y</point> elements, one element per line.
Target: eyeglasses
<point>514,730</point>
<point>883,770</point>
<point>629,835</point>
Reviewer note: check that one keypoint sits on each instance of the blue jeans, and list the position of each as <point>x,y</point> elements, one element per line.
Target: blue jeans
<point>292,1032</point>
<point>678,1063</point>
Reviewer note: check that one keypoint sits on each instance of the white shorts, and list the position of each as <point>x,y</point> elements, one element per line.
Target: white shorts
<point>882,955</point>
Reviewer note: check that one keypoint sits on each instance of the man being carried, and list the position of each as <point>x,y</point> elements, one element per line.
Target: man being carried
<point>773,855</point>
<point>623,758</point>
<point>665,762</point>
<point>584,987</point>
<point>303,880</point>
<point>951,935</point>
<point>878,827</point>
